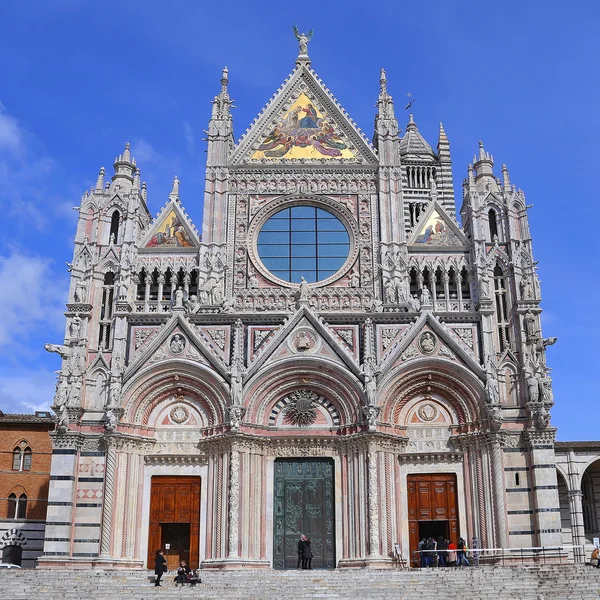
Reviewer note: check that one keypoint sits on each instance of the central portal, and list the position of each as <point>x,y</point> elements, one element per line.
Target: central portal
<point>175,520</point>
<point>304,504</point>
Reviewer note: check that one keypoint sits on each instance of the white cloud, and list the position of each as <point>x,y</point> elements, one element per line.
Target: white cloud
<point>143,152</point>
<point>30,297</point>
<point>11,134</point>
<point>26,391</point>
<point>190,138</point>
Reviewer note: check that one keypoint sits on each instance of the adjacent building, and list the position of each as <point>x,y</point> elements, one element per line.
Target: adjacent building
<point>333,355</point>
<point>25,459</point>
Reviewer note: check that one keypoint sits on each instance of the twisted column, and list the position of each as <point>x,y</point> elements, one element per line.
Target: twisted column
<point>107,513</point>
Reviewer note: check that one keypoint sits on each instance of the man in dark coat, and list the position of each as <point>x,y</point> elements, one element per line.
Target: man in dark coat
<point>301,542</point>
<point>160,566</point>
<point>308,554</point>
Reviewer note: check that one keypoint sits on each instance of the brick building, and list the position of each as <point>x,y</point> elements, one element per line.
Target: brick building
<point>25,458</point>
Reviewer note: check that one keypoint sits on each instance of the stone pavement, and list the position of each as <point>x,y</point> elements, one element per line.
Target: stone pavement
<point>566,582</point>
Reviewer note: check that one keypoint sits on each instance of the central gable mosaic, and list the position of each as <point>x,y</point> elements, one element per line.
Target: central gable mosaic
<point>303,132</point>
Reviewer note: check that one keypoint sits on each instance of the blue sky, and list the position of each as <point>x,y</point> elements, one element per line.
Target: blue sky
<point>79,79</point>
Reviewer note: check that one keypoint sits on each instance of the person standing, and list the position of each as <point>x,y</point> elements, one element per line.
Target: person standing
<point>462,553</point>
<point>160,566</point>
<point>420,549</point>
<point>451,553</point>
<point>308,555</point>
<point>441,551</point>
<point>301,543</point>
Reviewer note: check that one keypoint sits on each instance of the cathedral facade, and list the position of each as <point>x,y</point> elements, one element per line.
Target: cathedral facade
<point>334,355</point>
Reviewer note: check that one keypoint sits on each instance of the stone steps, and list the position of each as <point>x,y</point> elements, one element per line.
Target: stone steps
<point>568,582</point>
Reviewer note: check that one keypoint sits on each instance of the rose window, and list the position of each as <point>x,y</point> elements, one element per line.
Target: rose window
<point>303,241</point>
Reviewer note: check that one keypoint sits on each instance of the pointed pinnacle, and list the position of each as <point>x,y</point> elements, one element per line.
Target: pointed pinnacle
<point>100,180</point>
<point>442,137</point>
<point>382,82</point>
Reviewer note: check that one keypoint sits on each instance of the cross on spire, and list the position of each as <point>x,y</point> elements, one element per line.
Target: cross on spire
<point>411,101</point>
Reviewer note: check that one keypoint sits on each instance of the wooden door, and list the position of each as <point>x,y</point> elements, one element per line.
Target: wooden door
<point>304,504</point>
<point>431,498</point>
<point>174,500</point>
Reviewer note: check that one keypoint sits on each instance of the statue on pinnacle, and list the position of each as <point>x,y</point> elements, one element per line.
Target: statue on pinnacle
<point>303,39</point>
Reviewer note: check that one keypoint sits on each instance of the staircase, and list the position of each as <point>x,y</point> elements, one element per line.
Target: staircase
<point>556,582</point>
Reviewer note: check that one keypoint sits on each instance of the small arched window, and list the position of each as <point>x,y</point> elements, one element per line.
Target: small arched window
<point>106,311</point>
<point>21,507</point>
<point>17,507</point>
<point>22,457</point>
<point>502,318</point>
<point>27,459</point>
<point>114,227</point>
<point>493,224</point>
<point>12,507</point>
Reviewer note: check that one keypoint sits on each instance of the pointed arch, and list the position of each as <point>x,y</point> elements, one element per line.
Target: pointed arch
<point>460,388</point>
<point>339,389</point>
<point>154,385</point>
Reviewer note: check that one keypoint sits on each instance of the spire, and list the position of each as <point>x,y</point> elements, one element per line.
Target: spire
<point>224,82</point>
<point>174,195</point>
<point>382,83</point>
<point>483,163</point>
<point>220,126</point>
<point>136,179</point>
<point>126,156</point>
<point>222,102</point>
<point>385,104</point>
<point>412,141</point>
<point>443,145</point>
<point>124,165</point>
<point>505,178</point>
<point>144,191</point>
<point>100,180</point>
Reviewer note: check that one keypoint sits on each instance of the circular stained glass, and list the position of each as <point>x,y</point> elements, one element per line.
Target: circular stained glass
<point>303,241</point>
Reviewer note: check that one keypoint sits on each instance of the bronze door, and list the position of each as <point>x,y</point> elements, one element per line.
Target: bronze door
<point>304,504</point>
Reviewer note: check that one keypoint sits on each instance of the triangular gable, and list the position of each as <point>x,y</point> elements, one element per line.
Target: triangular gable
<point>304,123</point>
<point>217,338</point>
<point>282,344</point>
<point>258,338</point>
<point>435,230</point>
<point>99,363</point>
<point>387,338</point>
<point>109,259</point>
<point>440,343</point>
<point>166,347</point>
<point>171,230</point>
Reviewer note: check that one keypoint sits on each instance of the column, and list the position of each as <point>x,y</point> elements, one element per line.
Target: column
<point>234,504</point>
<point>577,527</point>
<point>545,487</point>
<point>459,290</point>
<point>61,499</point>
<point>373,503</point>
<point>446,289</point>
<point>108,504</point>
<point>499,489</point>
<point>161,284</point>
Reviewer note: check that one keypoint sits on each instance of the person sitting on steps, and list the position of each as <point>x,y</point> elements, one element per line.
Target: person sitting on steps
<point>182,573</point>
